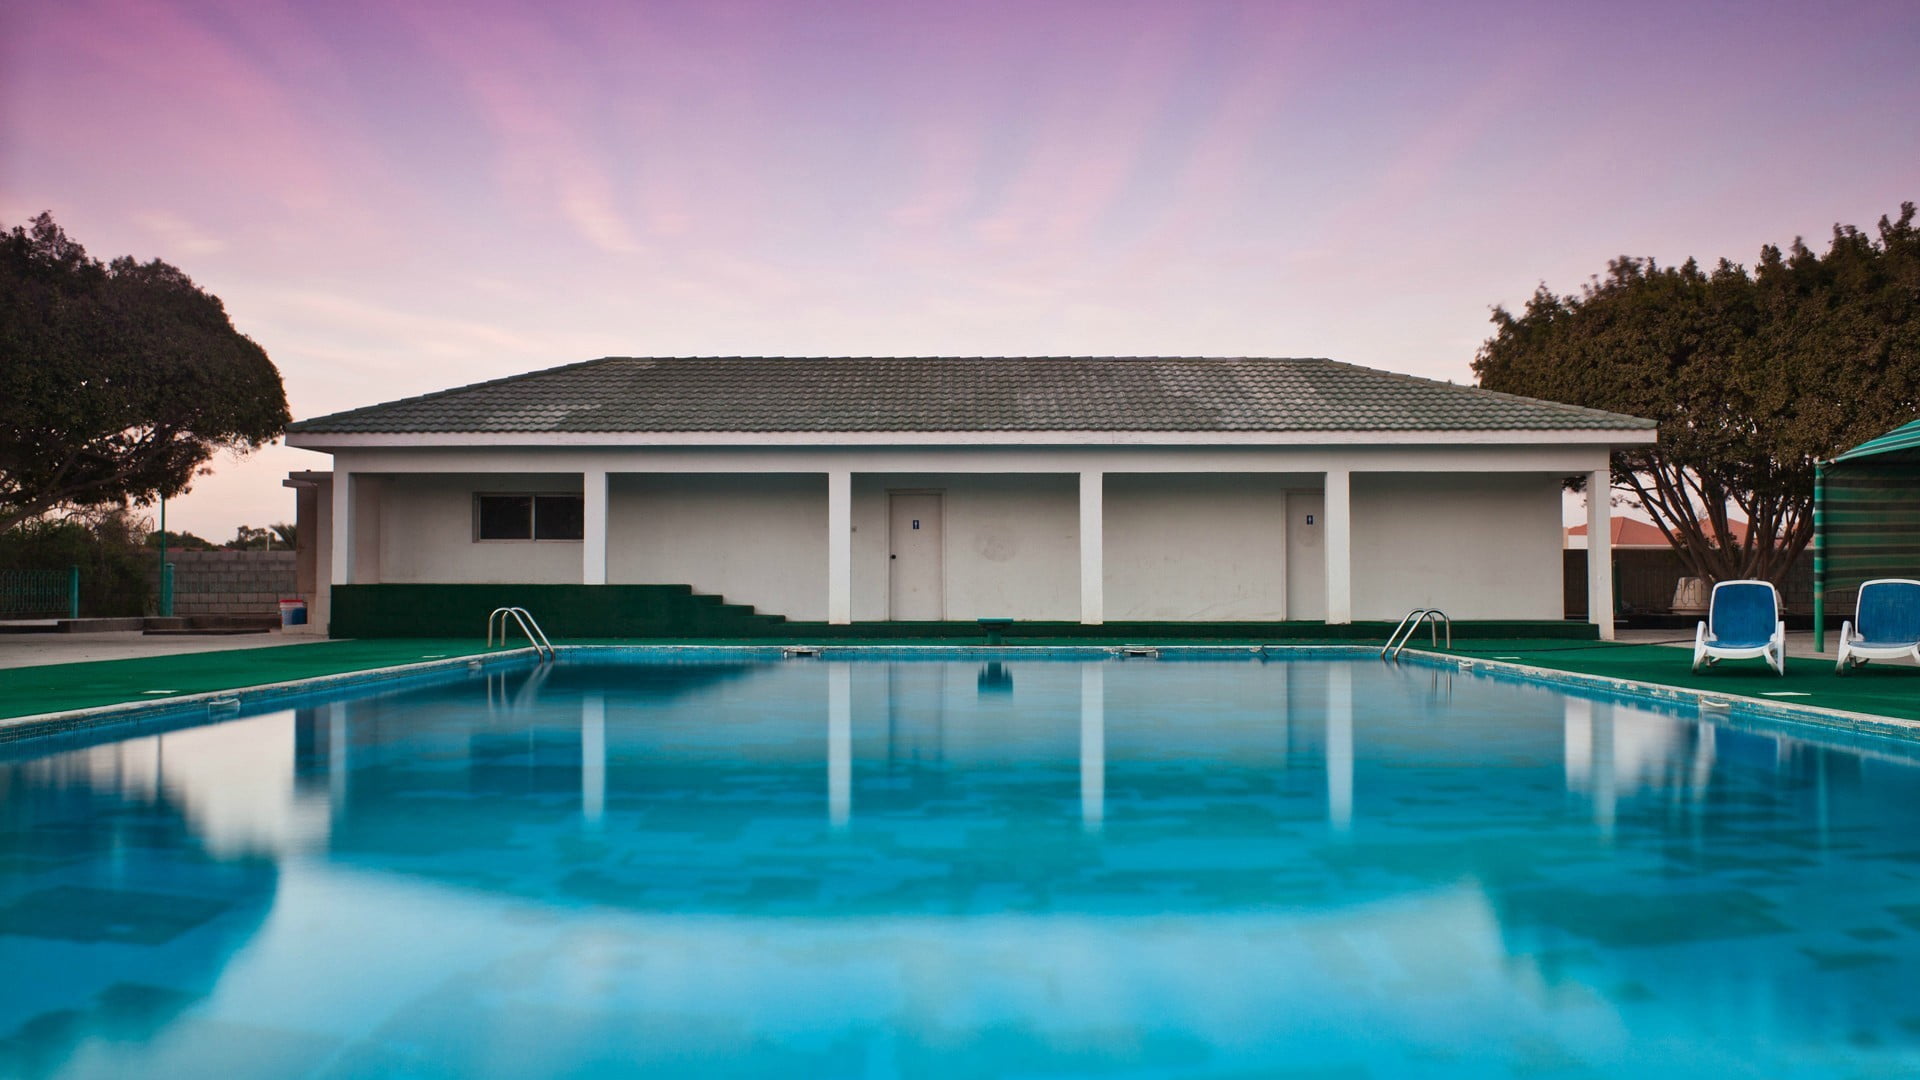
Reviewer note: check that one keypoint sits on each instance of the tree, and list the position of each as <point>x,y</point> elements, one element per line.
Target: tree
<point>1751,376</point>
<point>180,541</point>
<point>104,545</point>
<point>248,538</point>
<point>122,379</point>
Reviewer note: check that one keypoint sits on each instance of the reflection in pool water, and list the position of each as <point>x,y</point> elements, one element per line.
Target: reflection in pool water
<point>869,868</point>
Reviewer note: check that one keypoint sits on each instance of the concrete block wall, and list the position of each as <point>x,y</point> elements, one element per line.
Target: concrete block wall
<point>229,582</point>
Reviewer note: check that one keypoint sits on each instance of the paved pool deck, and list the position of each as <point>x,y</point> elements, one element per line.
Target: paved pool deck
<point>37,650</point>
<point>81,674</point>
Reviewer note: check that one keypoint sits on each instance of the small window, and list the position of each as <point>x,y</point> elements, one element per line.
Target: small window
<point>529,517</point>
<point>506,517</point>
<point>559,517</point>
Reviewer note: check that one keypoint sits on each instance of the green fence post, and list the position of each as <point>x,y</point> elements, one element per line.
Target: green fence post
<point>1819,558</point>
<point>164,607</point>
<point>73,592</point>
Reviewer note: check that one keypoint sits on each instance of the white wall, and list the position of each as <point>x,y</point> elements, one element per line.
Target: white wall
<point>1471,528</point>
<point>1012,544</point>
<point>1196,547</point>
<point>759,540</point>
<point>426,533</point>
<point>368,517</point>
<point>1477,547</point>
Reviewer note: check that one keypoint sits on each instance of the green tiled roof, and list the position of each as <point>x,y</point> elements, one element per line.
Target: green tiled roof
<point>1900,441</point>
<point>919,394</point>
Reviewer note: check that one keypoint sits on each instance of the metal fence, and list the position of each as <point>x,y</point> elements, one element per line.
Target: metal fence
<point>40,594</point>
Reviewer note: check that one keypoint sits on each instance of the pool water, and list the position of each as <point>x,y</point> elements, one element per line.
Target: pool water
<point>742,867</point>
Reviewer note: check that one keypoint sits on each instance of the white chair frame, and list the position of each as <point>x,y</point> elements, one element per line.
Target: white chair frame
<point>1852,655</point>
<point>1774,651</point>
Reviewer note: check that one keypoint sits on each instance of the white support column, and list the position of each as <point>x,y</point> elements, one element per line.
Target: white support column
<point>1600,551</point>
<point>593,545</point>
<point>839,744</point>
<point>1093,592</point>
<point>1338,536</point>
<point>341,572</point>
<point>593,760</point>
<point>1340,747</point>
<point>337,764</point>
<point>320,604</point>
<point>1093,746</point>
<point>1605,781</point>
<point>1578,725</point>
<point>839,547</point>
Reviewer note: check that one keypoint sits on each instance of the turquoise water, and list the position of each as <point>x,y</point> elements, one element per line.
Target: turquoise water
<point>1036,868</point>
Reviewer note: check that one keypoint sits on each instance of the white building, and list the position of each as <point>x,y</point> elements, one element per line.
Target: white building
<point>842,490</point>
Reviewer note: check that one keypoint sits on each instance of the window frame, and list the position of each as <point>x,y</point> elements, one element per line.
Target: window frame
<point>533,517</point>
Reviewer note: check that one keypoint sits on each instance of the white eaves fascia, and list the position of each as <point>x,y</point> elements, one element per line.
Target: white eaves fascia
<point>325,441</point>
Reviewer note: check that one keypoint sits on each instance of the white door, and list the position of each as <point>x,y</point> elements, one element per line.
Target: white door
<point>914,550</point>
<point>1306,556</point>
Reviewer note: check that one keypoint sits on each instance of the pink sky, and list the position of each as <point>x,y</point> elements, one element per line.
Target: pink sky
<point>396,198</point>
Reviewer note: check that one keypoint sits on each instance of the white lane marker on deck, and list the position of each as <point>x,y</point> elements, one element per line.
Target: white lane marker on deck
<point>159,691</point>
<point>1785,693</point>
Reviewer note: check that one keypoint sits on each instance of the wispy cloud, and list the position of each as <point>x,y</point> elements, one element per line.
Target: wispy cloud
<point>177,236</point>
<point>528,84</point>
<point>393,198</point>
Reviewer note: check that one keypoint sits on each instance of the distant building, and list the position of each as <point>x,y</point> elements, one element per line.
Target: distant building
<point>1632,534</point>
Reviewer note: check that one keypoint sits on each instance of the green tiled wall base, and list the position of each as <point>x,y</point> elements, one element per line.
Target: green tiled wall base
<point>370,611</point>
<point>676,611</point>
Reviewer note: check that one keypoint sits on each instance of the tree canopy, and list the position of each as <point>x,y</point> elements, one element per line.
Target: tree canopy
<point>122,379</point>
<point>1752,376</point>
<point>283,537</point>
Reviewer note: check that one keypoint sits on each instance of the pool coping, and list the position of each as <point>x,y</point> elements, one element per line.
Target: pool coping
<point>236,699</point>
<point>233,699</point>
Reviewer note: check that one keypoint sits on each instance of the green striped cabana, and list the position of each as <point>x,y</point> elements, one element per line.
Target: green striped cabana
<point>1866,517</point>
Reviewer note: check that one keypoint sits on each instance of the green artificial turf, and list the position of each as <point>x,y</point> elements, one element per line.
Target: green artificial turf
<point>59,687</point>
<point>1883,688</point>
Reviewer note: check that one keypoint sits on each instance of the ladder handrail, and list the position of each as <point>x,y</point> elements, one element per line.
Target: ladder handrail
<point>1433,617</point>
<point>528,626</point>
<point>1412,616</point>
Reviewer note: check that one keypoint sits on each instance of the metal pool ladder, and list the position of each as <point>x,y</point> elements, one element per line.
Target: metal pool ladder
<point>1403,633</point>
<point>528,626</point>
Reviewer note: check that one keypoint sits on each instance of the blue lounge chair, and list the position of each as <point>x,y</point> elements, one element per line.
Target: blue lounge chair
<point>1885,624</point>
<point>1743,622</point>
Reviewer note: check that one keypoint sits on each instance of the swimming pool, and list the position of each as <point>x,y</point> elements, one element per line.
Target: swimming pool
<point>728,865</point>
